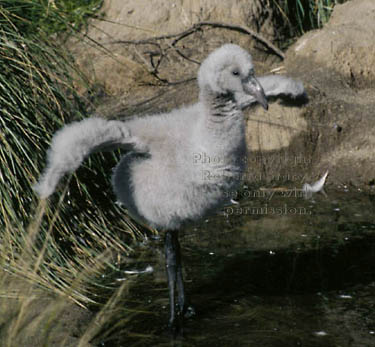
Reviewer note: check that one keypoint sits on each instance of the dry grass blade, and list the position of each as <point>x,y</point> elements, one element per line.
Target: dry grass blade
<point>70,241</point>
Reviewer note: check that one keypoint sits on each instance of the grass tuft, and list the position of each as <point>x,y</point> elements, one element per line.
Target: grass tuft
<point>52,253</point>
<point>300,16</point>
<point>37,97</point>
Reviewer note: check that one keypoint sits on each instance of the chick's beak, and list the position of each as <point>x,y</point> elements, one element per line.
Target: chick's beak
<point>252,86</point>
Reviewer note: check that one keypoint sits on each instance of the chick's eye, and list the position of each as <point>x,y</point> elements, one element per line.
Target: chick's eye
<point>235,73</point>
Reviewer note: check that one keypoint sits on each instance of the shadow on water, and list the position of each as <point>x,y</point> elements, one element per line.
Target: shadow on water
<point>286,272</point>
<point>273,278</point>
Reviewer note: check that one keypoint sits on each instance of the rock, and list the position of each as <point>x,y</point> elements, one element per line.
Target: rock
<point>346,44</point>
<point>120,67</point>
<point>337,65</point>
<point>334,131</point>
<point>141,19</point>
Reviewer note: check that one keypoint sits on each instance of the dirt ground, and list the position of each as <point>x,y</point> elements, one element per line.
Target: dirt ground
<point>332,131</point>
<point>337,65</point>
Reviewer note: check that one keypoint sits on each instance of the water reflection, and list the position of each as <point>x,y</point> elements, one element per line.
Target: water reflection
<point>268,279</point>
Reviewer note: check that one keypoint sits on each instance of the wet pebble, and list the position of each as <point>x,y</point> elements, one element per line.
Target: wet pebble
<point>345,296</point>
<point>320,333</point>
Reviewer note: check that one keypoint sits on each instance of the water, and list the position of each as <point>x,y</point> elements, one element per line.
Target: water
<point>272,271</point>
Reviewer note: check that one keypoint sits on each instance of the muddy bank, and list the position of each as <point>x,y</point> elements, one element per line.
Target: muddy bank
<point>120,66</point>
<point>291,143</point>
<point>337,65</point>
<point>334,130</point>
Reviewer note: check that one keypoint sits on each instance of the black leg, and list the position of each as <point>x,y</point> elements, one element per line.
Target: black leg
<point>180,284</point>
<point>174,275</point>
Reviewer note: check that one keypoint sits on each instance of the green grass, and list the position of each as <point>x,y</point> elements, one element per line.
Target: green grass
<point>52,253</point>
<point>49,17</point>
<point>38,83</point>
<point>300,16</point>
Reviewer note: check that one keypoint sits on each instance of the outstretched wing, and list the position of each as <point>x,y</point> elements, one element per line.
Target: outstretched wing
<point>75,141</point>
<point>274,85</point>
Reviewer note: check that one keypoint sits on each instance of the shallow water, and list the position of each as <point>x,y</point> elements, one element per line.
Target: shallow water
<point>272,271</point>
